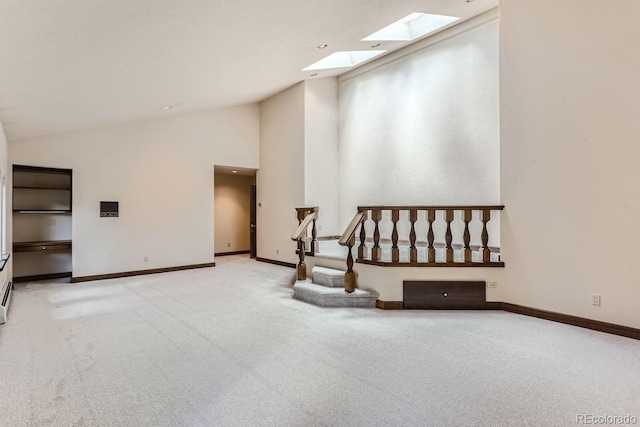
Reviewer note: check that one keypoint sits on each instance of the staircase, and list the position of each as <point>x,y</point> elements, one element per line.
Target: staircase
<point>327,290</point>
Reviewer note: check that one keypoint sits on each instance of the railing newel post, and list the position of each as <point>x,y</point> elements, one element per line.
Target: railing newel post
<point>301,268</point>
<point>350,275</point>
<point>348,239</point>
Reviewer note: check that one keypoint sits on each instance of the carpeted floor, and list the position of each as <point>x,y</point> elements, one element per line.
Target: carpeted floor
<point>229,346</point>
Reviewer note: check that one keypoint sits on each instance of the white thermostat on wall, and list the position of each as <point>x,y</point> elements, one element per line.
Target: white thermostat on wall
<point>108,209</point>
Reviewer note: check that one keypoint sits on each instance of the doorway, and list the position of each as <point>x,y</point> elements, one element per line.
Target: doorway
<point>234,211</point>
<point>253,247</point>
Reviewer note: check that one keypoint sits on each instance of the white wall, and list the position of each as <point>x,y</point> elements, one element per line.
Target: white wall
<point>161,172</point>
<point>570,100</point>
<point>232,206</point>
<point>424,128</point>
<point>280,179</point>
<point>321,153</point>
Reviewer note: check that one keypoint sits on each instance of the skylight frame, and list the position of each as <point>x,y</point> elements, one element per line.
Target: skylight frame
<point>344,59</point>
<point>411,27</point>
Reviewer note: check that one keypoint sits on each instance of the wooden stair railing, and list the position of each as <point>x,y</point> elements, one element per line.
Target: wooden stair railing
<point>306,217</point>
<point>311,238</point>
<point>442,219</point>
<point>348,239</point>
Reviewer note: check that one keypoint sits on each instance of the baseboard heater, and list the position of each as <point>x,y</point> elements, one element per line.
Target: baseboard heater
<point>444,295</point>
<point>6,300</point>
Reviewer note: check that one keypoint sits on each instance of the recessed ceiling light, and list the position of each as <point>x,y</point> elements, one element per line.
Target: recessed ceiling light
<point>344,59</point>
<point>411,27</point>
<point>234,171</point>
<point>322,46</point>
<point>167,107</point>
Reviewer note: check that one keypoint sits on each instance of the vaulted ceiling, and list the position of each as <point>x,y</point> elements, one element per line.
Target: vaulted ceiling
<point>74,64</point>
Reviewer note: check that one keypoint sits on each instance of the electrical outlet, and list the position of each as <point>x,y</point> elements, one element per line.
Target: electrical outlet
<point>146,259</point>
<point>277,251</point>
<point>595,299</point>
<point>492,285</point>
<point>228,245</point>
<point>319,227</point>
<point>51,221</point>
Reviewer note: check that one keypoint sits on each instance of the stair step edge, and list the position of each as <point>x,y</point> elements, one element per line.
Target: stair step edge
<point>307,286</point>
<point>328,277</point>
<point>327,271</point>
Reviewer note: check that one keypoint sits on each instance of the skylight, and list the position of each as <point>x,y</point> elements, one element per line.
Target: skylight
<point>411,27</point>
<point>344,59</point>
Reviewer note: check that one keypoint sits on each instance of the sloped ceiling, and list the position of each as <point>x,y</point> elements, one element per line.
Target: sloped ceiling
<point>74,64</point>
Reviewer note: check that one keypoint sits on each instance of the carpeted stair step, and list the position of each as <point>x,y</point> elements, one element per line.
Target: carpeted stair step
<point>328,277</point>
<point>325,296</point>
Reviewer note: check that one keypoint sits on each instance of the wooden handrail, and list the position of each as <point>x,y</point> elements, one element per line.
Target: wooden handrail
<point>350,231</point>
<point>302,228</point>
<point>434,207</point>
<point>306,216</point>
<point>307,209</point>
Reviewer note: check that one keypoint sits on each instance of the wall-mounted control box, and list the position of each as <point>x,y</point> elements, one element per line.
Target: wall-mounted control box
<point>108,209</point>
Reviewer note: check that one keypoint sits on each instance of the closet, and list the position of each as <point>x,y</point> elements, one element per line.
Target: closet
<point>41,223</point>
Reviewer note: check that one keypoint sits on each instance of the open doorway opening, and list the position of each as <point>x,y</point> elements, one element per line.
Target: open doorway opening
<point>234,221</point>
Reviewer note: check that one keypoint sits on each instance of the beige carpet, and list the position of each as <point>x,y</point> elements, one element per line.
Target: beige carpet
<point>229,346</point>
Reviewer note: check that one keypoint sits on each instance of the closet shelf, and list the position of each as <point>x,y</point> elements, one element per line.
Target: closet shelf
<point>25,187</point>
<point>42,211</point>
<point>39,246</point>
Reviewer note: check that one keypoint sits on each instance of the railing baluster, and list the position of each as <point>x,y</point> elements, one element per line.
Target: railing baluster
<point>431,251</point>
<point>350,276</point>
<point>314,237</point>
<point>413,251</point>
<point>362,249</point>
<point>376,252</point>
<point>448,236</point>
<point>442,224</point>
<point>486,252</point>
<point>301,268</point>
<point>467,235</point>
<point>395,251</point>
